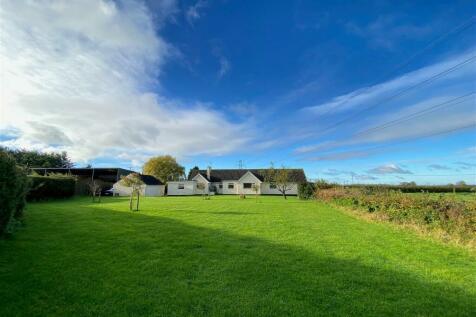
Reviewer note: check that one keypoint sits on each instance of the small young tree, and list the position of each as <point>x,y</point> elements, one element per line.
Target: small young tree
<point>95,188</point>
<point>201,187</point>
<point>134,181</point>
<point>281,177</point>
<point>256,189</point>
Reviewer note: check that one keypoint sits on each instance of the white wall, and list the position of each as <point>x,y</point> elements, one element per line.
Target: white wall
<point>121,190</point>
<point>217,186</point>
<point>227,191</point>
<point>146,190</point>
<point>249,178</point>
<point>265,190</point>
<point>189,188</point>
<point>154,190</point>
<point>201,181</point>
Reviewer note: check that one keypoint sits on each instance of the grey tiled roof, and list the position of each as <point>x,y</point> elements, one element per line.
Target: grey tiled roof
<point>218,175</point>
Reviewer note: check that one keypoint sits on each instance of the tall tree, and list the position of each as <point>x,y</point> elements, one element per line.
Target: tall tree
<point>164,168</point>
<point>28,158</point>
<point>193,171</point>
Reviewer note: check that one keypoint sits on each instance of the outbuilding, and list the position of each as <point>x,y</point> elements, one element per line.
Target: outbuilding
<point>152,187</point>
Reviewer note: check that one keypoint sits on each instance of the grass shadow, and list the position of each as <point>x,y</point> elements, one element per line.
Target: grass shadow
<point>120,263</point>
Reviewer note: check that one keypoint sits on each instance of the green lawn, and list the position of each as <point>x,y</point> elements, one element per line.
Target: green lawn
<point>186,256</point>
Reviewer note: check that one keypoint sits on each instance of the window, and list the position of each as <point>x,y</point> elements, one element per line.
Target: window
<point>272,185</point>
<point>231,185</point>
<point>181,186</point>
<point>247,185</point>
<point>220,186</point>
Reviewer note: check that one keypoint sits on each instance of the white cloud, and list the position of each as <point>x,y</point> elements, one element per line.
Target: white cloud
<point>194,13</point>
<point>85,85</point>
<point>243,109</point>
<point>466,165</point>
<point>372,95</point>
<point>224,66</point>
<point>388,169</point>
<point>447,118</point>
<point>439,167</point>
<point>223,62</point>
<point>387,30</point>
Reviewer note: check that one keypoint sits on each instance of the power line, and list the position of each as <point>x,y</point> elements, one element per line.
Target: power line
<point>440,175</point>
<point>460,28</point>
<point>472,125</point>
<point>398,94</point>
<point>415,114</point>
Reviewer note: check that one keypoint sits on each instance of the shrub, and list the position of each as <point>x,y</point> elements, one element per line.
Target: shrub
<point>456,218</point>
<point>13,188</point>
<point>51,186</point>
<point>306,190</point>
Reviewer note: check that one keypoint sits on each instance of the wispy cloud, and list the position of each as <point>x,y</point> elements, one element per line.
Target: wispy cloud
<point>466,165</point>
<point>388,30</point>
<point>349,174</point>
<point>194,12</point>
<point>87,85</point>
<point>223,62</point>
<point>388,169</point>
<point>439,167</point>
<point>224,66</point>
<point>243,109</point>
<point>339,156</point>
<point>451,117</point>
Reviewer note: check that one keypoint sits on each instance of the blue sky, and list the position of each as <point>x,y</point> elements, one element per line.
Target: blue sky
<point>341,89</point>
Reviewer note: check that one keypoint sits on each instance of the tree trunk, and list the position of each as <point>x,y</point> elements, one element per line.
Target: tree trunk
<point>130,201</point>
<point>284,194</point>
<point>137,205</point>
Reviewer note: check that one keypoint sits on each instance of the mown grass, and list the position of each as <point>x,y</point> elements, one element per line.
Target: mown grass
<point>185,256</point>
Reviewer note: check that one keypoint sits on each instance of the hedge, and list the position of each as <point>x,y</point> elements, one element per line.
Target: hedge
<point>50,187</point>
<point>446,213</point>
<point>13,188</point>
<point>306,190</point>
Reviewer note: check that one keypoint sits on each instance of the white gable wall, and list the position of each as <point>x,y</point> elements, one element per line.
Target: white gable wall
<point>250,179</point>
<point>199,179</point>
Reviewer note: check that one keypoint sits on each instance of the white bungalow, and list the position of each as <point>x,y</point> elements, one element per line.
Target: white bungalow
<point>233,182</point>
<point>152,187</point>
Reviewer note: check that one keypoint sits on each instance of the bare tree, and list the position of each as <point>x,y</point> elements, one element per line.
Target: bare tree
<point>134,181</point>
<point>202,187</point>
<point>95,188</point>
<point>281,178</point>
<point>256,189</point>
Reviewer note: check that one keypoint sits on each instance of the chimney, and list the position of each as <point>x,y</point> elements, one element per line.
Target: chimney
<point>209,171</point>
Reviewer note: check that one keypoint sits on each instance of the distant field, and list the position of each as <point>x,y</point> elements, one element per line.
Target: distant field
<point>185,256</point>
<point>462,196</point>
